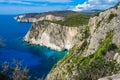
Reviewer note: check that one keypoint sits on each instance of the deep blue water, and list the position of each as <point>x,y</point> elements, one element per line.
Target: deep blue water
<point>39,60</point>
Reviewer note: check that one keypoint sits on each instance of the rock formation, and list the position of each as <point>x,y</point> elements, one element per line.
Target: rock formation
<point>94,47</point>
<point>53,35</point>
<point>113,77</point>
<point>34,17</point>
<point>23,18</point>
<point>97,55</point>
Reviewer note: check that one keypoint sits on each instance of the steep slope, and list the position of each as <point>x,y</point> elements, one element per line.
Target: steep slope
<point>97,55</point>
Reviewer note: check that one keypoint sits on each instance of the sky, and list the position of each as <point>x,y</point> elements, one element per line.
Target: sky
<point>38,6</point>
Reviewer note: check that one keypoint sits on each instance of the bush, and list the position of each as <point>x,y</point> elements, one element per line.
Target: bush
<point>97,14</point>
<point>15,73</point>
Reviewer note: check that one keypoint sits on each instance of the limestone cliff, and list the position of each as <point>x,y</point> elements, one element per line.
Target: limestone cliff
<point>113,77</point>
<point>95,56</point>
<point>51,15</point>
<point>53,35</point>
<point>23,18</point>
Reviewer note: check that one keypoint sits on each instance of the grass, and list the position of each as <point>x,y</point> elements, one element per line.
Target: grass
<point>118,50</point>
<point>97,14</point>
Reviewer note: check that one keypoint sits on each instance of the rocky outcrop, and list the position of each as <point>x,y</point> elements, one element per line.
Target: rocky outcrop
<point>53,35</point>
<point>100,25</point>
<point>95,56</point>
<point>51,15</point>
<point>24,18</point>
<point>113,77</point>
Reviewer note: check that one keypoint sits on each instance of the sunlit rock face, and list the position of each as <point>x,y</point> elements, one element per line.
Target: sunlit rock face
<point>52,35</point>
<point>23,18</point>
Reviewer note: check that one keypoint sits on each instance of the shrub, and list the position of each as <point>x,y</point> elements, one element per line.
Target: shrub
<point>15,73</point>
<point>97,14</point>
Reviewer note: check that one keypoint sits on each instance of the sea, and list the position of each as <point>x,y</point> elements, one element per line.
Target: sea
<point>38,59</point>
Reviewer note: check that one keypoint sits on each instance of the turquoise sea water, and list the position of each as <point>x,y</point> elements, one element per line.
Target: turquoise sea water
<point>39,60</point>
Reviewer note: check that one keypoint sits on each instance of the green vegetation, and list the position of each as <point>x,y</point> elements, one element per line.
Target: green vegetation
<point>111,17</point>
<point>74,20</point>
<point>97,14</point>
<point>95,65</point>
<point>83,34</point>
<point>14,71</point>
<point>98,24</point>
<point>118,50</point>
<point>106,45</point>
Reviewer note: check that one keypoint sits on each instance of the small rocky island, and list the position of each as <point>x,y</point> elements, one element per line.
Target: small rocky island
<point>93,44</point>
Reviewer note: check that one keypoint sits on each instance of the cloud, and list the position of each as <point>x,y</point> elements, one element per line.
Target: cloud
<point>28,9</point>
<point>81,7</point>
<point>53,1</point>
<point>95,4</point>
<point>32,6</point>
<point>33,1</point>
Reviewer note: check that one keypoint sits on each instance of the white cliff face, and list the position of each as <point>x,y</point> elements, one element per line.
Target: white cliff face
<point>99,27</point>
<point>52,35</point>
<point>23,18</point>
<point>51,17</point>
<point>113,77</point>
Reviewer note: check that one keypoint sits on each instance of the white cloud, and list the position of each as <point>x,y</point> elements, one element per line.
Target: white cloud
<point>19,2</point>
<point>11,9</point>
<point>55,1</point>
<point>81,7</point>
<point>32,1</point>
<point>95,4</point>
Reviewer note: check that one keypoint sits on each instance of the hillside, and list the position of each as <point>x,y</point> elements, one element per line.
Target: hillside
<point>95,56</point>
<point>51,15</point>
<point>75,19</point>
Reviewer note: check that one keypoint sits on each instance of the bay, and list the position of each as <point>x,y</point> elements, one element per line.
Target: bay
<point>39,60</point>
